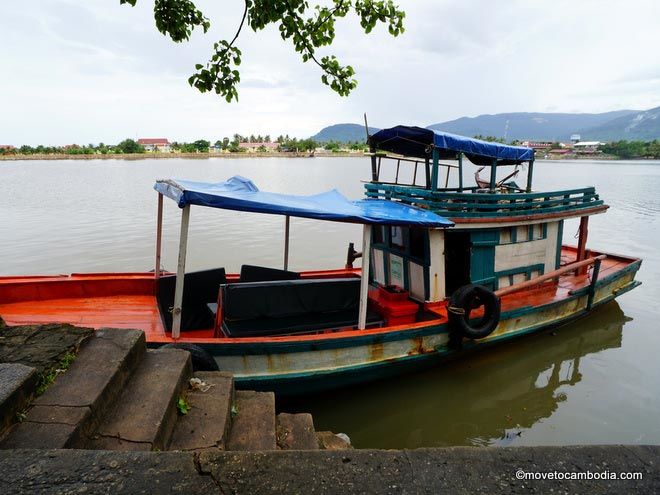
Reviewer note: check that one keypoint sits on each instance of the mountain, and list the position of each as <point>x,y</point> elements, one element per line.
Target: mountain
<point>535,126</point>
<point>639,126</point>
<point>343,133</point>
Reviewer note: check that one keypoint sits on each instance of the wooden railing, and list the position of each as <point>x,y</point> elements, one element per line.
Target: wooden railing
<point>555,274</point>
<point>460,204</point>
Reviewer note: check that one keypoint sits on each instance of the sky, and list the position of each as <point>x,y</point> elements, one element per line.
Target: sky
<point>90,71</point>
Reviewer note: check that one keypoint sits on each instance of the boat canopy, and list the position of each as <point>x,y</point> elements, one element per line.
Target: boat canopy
<point>241,194</point>
<point>421,142</point>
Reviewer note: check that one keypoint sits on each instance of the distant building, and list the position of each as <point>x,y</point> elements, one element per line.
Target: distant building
<point>575,138</point>
<point>155,144</point>
<point>7,147</point>
<point>254,147</point>
<point>587,146</point>
<point>538,145</point>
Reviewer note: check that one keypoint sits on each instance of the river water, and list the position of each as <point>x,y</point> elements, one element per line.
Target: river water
<point>596,381</point>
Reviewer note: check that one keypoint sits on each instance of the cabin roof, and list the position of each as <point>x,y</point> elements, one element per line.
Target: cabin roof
<point>241,194</point>
<point>421,142</point>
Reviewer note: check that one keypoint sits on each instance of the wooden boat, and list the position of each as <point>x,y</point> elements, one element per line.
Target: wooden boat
<point>450,270</point>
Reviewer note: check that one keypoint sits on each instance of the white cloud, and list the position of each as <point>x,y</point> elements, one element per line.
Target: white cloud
<point>75,71</point>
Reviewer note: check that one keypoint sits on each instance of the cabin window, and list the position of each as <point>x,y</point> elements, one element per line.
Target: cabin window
<point>379,234</point>
<point>397,239</point>
<point>507,235</point>
<point>378,266</point>
<point>538,231</point>
<point>522,233</point>
<point>417,243</point>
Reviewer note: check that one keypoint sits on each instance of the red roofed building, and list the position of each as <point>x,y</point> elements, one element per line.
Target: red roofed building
<point>155,144</point>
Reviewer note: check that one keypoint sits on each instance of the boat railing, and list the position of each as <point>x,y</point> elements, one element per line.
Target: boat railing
<point>576,266</point>
<point>476,204</point>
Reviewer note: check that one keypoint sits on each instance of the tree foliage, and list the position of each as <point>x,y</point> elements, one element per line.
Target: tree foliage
<point>307,26</point>
<point>632,149</point>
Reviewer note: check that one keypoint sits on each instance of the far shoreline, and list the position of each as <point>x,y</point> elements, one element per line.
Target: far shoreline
<point>166,156</point>
<point>271,154</point>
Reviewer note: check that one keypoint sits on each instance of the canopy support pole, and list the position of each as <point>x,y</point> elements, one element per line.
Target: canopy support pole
<point>364,280</point>
<point>180,272</point>
<point>460,172</point>
<point>287,222</point>
<point>427,170</point>
<point>582,243</point>
<point>434,172</point>
<point>493,176</point>
<point>159,235</point>
<point>529,176</point>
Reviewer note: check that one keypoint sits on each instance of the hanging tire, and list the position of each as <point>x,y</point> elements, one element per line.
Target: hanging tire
<point>463,302</point>
<point>201,359</point>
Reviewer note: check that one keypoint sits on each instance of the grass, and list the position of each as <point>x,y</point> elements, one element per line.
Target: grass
<point>48,377</point>
<point>182,406</point>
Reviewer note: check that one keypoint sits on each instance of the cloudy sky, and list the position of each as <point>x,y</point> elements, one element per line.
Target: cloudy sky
<point>90,71</point>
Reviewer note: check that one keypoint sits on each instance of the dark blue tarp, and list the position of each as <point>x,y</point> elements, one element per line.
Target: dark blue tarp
<point>419,142</point>
<point>239,193</point>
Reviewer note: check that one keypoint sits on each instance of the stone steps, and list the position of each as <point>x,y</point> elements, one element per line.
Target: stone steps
<point>253,425</point>
<point>296,432</point>
<point>146,412</point>
<point>208,420</point>
<point>17,386</point>
<point>72,407</point>
<point>117,395</point>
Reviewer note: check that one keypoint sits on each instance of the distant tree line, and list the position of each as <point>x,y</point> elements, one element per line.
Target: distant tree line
<point>285,143</point>
<point>632,149</point>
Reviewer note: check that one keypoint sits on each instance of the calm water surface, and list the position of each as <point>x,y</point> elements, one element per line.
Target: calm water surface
<point>596,381</point>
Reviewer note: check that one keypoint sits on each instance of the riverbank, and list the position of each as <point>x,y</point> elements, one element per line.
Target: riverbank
<point>165,156</point>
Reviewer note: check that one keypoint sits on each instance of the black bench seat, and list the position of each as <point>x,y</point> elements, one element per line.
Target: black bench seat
<point>290,307</point>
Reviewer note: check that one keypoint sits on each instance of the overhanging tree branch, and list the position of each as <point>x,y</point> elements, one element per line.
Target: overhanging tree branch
<point>307,31</point>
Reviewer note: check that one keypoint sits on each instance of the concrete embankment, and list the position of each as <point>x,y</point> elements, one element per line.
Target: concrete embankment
<point>448,470</point>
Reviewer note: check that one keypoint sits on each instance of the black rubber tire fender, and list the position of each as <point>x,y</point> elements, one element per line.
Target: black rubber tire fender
<point>201,359</point>
<point>468,298</point>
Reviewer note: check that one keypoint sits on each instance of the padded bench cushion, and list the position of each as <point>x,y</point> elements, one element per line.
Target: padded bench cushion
<point>252,273</point>
<point>289,298</point>
<point>296,324</point>
<point>199,288</point>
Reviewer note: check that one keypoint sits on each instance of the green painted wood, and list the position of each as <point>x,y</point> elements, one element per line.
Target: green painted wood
<point>482,256</point>
<point>560,240</point>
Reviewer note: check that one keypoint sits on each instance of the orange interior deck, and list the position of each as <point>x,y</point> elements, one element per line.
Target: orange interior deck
<point>127,300</point>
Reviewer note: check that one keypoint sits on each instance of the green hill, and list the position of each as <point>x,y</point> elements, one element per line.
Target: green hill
<point>534,126</point>
<point>639,126</point>
<point>343,133</point>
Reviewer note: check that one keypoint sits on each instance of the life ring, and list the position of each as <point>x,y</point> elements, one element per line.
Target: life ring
<point>466,299</point>
<point>201,360</point>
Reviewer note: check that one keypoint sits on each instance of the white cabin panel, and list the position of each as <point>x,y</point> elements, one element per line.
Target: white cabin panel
<point>437,268</point>
<point>416,281</point>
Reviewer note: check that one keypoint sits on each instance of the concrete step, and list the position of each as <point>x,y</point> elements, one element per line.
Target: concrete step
<point>253,425</point>
<point>146,412</point>
<point>332,441</point>
<point>17,386</point>
<point>208,420</point>
<point>296,432</point>
<point>72,407</point>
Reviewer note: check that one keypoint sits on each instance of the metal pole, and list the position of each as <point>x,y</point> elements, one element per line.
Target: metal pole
<point>493,175</point>
<point>159,234</point>
<point>180,272</point>
<point>530,169</point>
<point>364,282</point>
<point>287,222</point>
<point>460,172</point>
<point>434,171</point>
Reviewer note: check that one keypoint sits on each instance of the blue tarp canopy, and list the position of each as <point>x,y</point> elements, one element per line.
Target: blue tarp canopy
<point>420,142</point>
<point>239,193</point>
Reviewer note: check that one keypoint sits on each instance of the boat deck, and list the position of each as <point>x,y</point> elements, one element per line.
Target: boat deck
<point>127,300</point>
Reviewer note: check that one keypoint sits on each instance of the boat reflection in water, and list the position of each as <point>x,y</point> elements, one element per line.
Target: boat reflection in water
<point>487,398</point>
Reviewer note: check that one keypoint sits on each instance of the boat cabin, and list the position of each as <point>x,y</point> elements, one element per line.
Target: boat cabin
<point>504,234</point>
